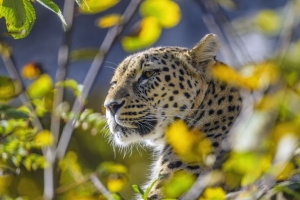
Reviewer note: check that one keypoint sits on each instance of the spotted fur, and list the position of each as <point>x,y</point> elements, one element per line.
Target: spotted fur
<point>153,88</point>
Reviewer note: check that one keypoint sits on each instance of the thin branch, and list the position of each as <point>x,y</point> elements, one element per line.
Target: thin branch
<point>198,188</point>
<point>98,184</point>
<point>109,40</point>
<point>13,72</point>
<point>63,61</point>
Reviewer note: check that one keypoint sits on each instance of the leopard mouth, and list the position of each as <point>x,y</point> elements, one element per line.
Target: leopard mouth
<point>142,127</point>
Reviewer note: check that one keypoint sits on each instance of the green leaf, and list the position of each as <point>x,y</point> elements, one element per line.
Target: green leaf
<point>54,8</point>
<point>137,189</point>
<point>147,191</point>
<point>9,88</point>
<point>95,6</point>
<point>117,196</point>
<point>11,113</point>
<point>19,16</point>
<point>40,87</point>
<point>72,85</point>
<point>14,13</point>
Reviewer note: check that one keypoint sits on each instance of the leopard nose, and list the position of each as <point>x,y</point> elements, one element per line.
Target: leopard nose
<point>114,106</point>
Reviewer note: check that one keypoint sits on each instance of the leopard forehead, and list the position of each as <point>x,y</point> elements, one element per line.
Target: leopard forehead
<point>154,58</point>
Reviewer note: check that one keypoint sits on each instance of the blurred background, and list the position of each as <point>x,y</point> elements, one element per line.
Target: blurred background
<point>250,32</point>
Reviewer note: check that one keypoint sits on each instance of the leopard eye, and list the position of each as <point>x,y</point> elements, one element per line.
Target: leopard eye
<point>145,76</point>
<point>148,74</point>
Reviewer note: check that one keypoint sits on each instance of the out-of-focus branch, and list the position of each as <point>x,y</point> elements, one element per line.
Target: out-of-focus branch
<point>218,22</point>
<point>198,188</point>
<point>63,60</point>
<point>108,41</point>
<point>13,72</point>
<point>98,184</point>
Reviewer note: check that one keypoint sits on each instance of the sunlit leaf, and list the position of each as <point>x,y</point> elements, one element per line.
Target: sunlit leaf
<point>216,193</point>
<point>111,167</point>
<point>31,70</point>
<point>40,87</point>
<point>257,76</point>
<point>54,8</point>
<point>268,21</point>
<point>95,6</point>
<point>167,12</point>
<point>148,34</point>
<point>191,146</point>
<point>9,88</point>
<point>44,138</point>
<point>178,184</point>
<point>19,16</point>
<point>109,20</point>
<point>116,182</point>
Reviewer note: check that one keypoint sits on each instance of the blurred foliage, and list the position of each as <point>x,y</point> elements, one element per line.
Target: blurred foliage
<point>273,83</point>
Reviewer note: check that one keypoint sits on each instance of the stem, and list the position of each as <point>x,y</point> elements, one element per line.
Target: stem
<point>98,184</point>
<point>51,178</point>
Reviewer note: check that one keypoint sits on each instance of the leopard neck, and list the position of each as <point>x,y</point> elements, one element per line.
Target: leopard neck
<point>217,112</point>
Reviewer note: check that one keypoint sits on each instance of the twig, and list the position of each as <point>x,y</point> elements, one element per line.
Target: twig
<point>98,184</point>
<point>109,40</point>
<point>63,61</point>
<point>10,66</point>
<point>198,188</point>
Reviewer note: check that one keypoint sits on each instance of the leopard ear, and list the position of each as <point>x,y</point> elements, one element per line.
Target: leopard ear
<point>205,51</point>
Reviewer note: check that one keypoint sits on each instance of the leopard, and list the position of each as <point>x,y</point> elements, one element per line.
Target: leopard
<point>152,89</point>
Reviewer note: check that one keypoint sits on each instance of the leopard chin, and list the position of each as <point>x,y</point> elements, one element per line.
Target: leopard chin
<point>124,136</point>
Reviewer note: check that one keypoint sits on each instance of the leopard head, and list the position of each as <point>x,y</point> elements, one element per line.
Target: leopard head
<point>151,89</point>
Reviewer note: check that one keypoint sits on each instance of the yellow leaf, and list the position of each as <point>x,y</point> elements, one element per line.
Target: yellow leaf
<point>44,138</point>
<point>31,71</point>
<point>165,11</point>
<point>148,35</point>
<point>268,21</point>
<point>40,87</point>
<point>216,193</point>
<point>95,6</point>
<point>109,20</point>
<point>9,88</point>
<point>116,182</point>
<point>260,76</point>
<point>111,167</point>
<point>191,146</point>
